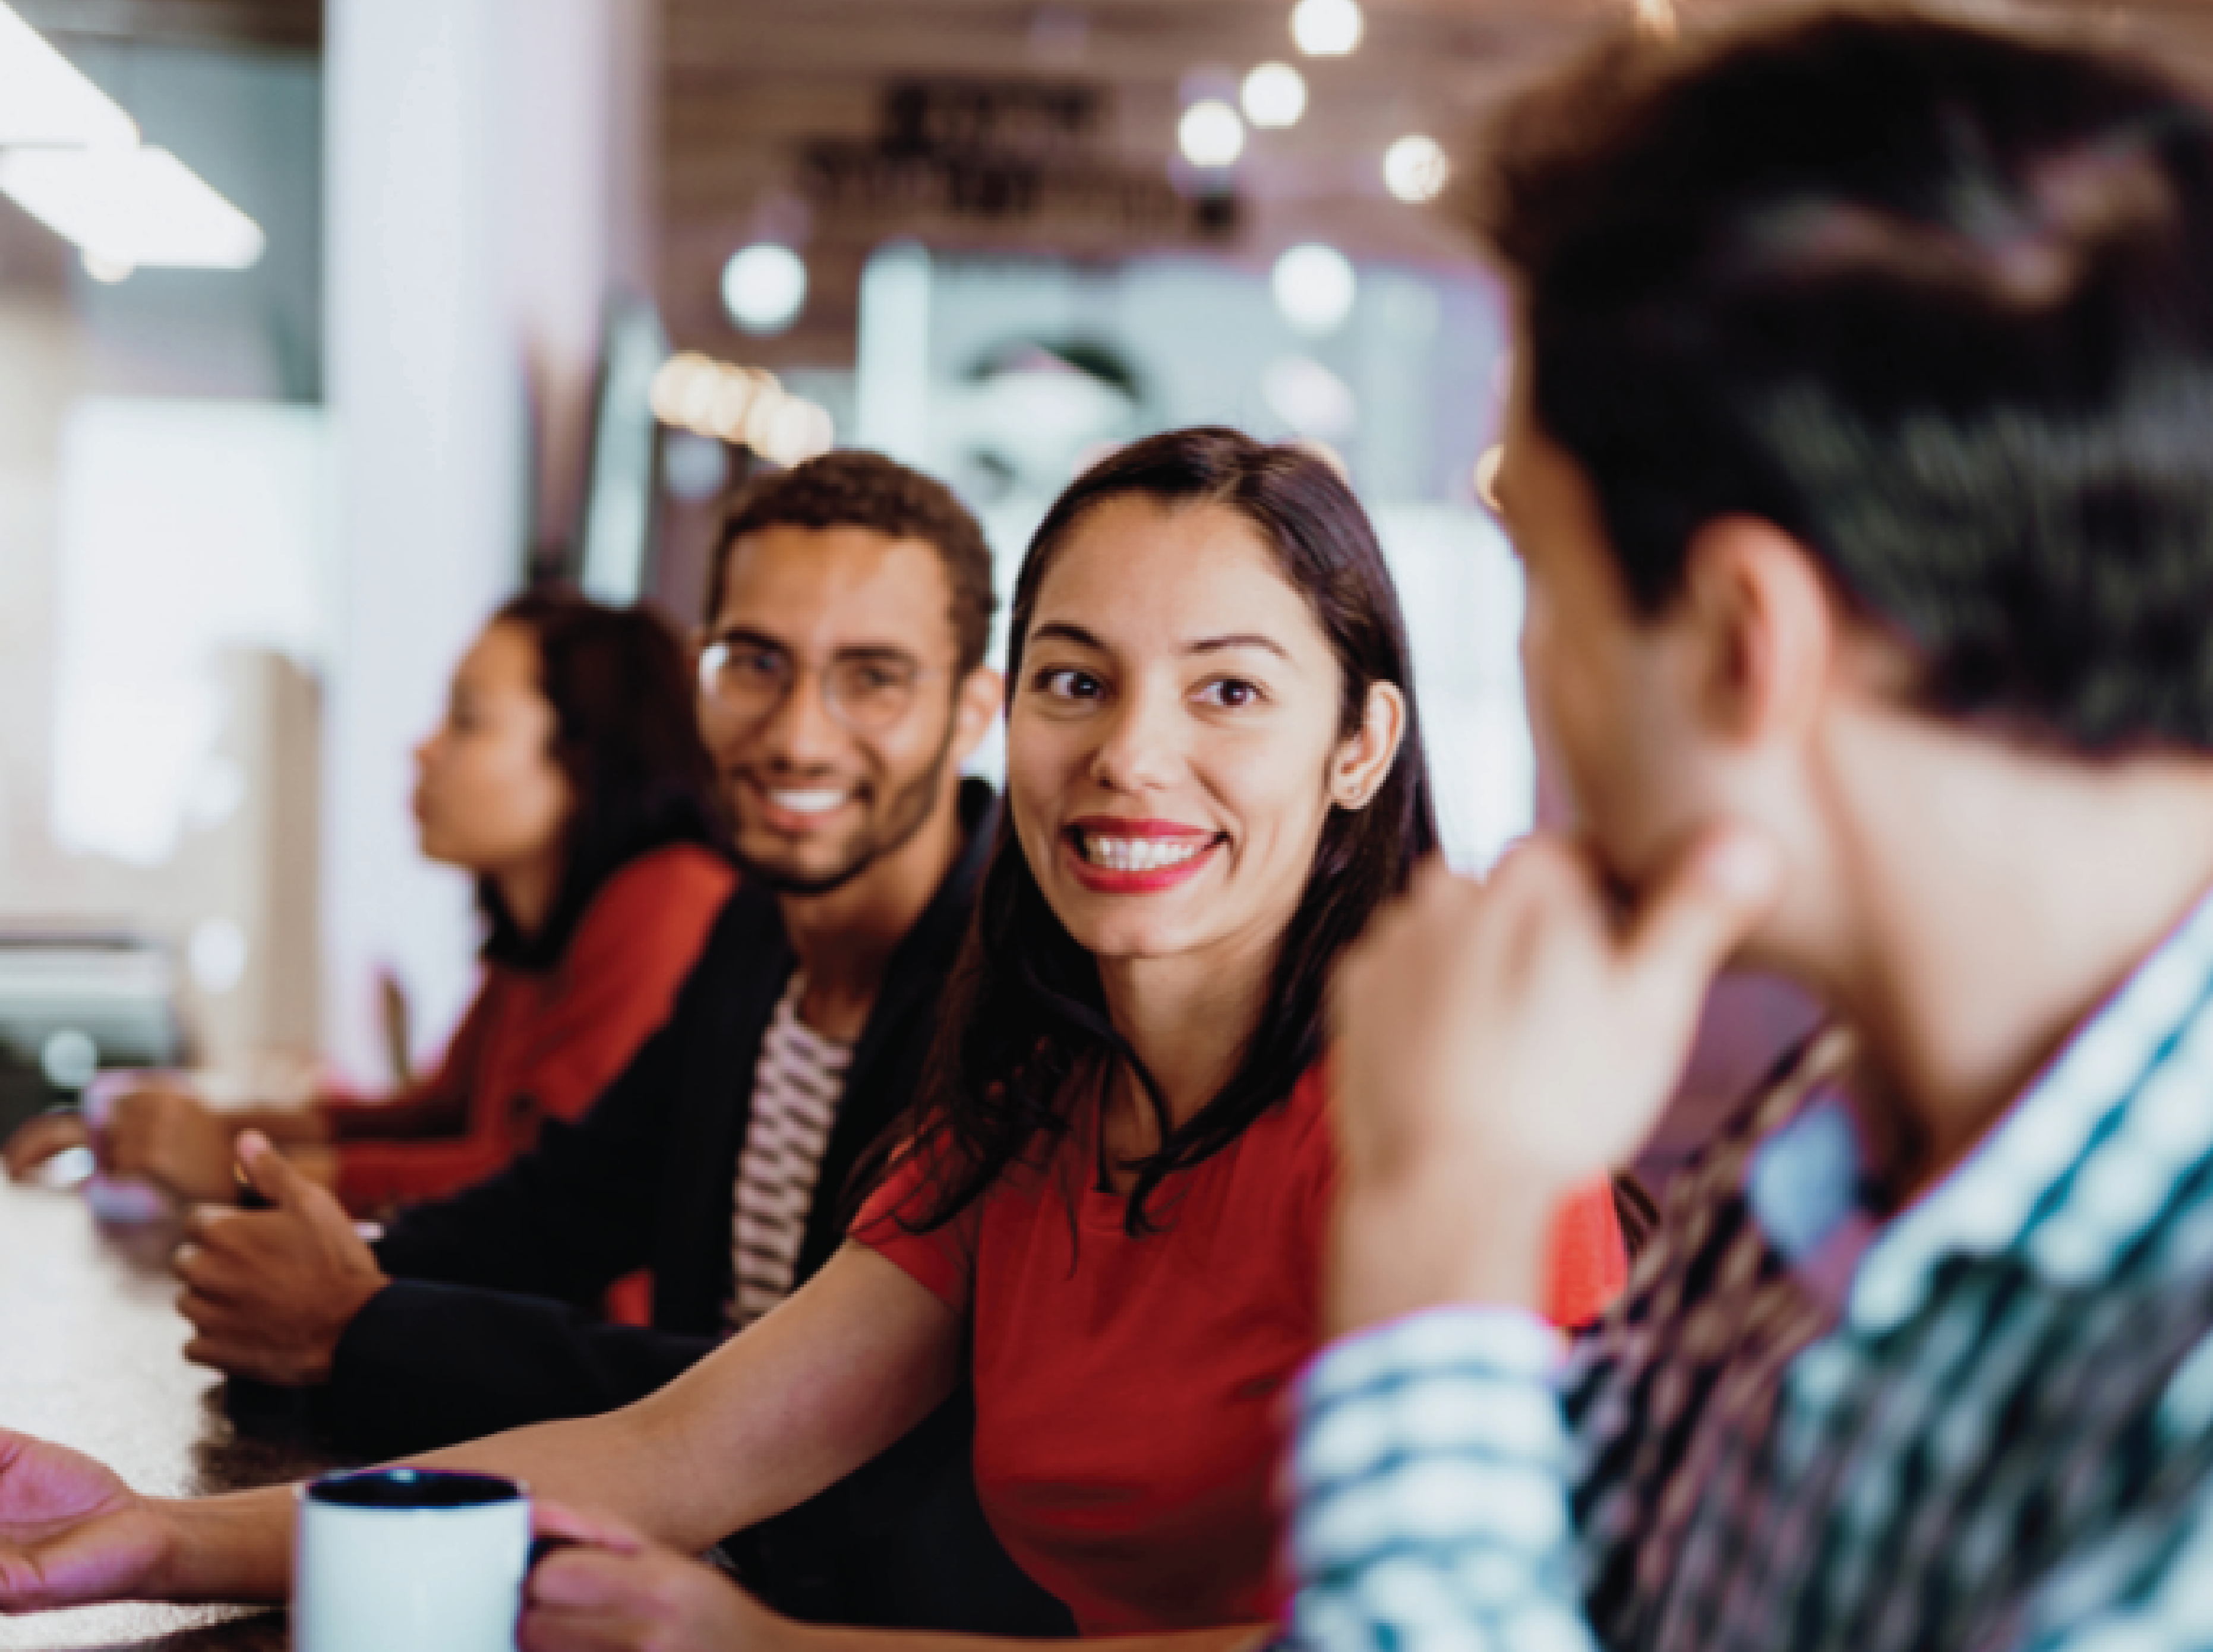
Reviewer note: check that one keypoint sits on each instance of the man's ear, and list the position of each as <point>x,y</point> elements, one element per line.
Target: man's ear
<point>1356,773</point>
<point>973,708</point>
<point>1766,627</point>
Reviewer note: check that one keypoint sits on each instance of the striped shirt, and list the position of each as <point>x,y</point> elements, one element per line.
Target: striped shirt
<point>798,1082</point>
<point>1984,1422</point>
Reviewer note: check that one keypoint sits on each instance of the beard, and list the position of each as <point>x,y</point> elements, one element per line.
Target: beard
<point>886,831</point>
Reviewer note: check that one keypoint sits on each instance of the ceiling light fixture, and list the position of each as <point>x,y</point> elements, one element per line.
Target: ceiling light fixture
<point>1210,135</point>
<point>1326,28</point>
<point>765,287</point>
<point>742,405</point>
<point>140,208</point>
<point>1275,96</point>
<point>1415,169</point>
<point>45,101</point>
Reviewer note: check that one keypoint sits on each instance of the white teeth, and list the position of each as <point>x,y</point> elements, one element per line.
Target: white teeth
<point>1138,854</point>
<point>808,802</point>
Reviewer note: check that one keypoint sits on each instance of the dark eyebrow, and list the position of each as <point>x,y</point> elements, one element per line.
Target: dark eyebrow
<point>1067,633</point>
<point>1239,640</point>
<point>750,639</point>
<point>740,634</point>
<point>1083,638</point>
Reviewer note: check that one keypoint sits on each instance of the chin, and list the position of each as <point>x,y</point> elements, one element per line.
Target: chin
<point>1109,937</point>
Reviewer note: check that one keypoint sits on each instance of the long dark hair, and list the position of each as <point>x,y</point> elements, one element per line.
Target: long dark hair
<point>626,739</point>
<point>1024,1016</point>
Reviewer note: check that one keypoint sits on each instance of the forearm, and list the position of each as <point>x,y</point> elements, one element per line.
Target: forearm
<point>1432,1238</point>
<point>845,1367</point>
<point>1431,1451</point>
<point>235,1547</point>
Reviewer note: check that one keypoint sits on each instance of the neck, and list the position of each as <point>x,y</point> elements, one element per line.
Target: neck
<point>844,939</point>
<point>1995,899</point>
<point>1188,1020</point>
<point>527,890</point>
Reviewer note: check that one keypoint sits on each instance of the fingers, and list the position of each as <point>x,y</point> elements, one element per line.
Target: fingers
<point>588,1598</point>
<point>272,1177</point>
<point>1705,905</point>
<point>586,1579</point>
<point>40,1140</point>
<point>556,1519</point>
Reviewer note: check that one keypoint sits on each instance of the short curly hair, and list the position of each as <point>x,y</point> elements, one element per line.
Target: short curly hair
<point>852,489</point>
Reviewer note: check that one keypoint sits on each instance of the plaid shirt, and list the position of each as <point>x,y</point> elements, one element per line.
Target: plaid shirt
<point>1985,1423</point>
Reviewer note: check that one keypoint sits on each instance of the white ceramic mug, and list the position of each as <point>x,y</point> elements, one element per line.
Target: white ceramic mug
<point>414,1559</point>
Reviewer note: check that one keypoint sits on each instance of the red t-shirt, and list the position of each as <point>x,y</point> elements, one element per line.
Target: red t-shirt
<point>535,1045</point>
<point>1126,1389</point>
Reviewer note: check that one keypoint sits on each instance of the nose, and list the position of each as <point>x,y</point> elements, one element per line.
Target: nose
<point>1140,746</point>
<point>801,733</point>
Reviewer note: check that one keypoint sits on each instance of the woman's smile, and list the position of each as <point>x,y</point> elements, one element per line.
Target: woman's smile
<point>1137,857</point>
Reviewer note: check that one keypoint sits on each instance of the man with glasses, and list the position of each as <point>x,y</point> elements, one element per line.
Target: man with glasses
<point>842,685</point>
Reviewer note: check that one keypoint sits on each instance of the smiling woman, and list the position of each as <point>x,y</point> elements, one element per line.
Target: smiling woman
<point>1214,777</point>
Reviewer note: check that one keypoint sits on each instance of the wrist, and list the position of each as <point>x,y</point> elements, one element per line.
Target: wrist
<point>360,1291</point>
<point>1431,1241</point>
<point>230,1548</point>
<point>168,1569</point>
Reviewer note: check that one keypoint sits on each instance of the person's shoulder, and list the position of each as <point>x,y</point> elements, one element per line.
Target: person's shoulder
<point>679,885</point>
<point>683,875</point>
<point>663,903</point>
<point>1298,1126</point>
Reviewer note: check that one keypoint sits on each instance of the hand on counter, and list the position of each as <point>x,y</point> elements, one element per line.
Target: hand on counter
<point>70,1530</point>
<point>269,1292</point>
<point>37,1142</point>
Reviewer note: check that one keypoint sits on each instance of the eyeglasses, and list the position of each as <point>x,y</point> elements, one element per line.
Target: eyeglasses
<point>867,692</point>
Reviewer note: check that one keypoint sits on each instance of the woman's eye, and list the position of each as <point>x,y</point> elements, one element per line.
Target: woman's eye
<point>1065,683</point>
<point>1231,693</point>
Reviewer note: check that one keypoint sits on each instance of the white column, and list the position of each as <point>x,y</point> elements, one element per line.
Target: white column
<point>485,166</point>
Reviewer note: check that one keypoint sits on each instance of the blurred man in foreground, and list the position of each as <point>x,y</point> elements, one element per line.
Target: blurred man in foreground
<point>1860,458</point>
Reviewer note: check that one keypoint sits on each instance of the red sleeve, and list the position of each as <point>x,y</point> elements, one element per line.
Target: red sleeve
<point>1589,1264</point>
<point>434,1106</point>
<point>555,1049</point>
<point>618,980</point>
<point>941,1260</point>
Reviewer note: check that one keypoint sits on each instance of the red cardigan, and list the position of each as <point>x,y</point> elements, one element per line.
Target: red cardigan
<point>532,1044</point>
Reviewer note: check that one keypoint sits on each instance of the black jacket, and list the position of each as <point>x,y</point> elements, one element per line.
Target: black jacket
<point>490,1320</point>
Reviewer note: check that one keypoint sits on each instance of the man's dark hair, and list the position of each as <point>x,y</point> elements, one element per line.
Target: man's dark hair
<point>851,489</point>
<point>1935,301</point>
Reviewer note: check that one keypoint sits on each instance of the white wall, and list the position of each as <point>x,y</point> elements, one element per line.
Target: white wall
<point>482,191</point>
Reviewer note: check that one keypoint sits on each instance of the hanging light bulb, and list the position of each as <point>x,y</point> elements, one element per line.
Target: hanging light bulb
<point>1415,169</point>
<point>1327,29</point>
<point>764,287</point>
<point>1275,96</point>
<point>1211,134</point>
